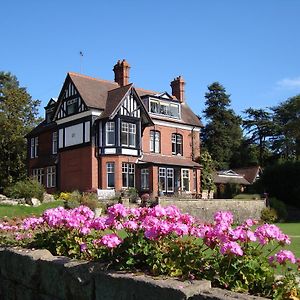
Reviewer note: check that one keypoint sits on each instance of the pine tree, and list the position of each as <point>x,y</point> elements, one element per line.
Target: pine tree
<point>222,135</point>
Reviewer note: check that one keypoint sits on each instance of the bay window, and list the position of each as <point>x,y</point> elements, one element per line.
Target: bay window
<point>166,179</point>
<point>110,133</point>
<point>38,175</point>
<point>128,134</point>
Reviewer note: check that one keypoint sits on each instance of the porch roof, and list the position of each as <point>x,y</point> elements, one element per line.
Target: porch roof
<point>176,160</point>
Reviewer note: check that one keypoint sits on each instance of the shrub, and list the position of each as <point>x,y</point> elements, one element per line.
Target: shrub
<point>247,196</point>
<point>163,241</point>
<point>28,188</point>
<point>280,208</point>
<point>91,200</point>
<point>269,215</point>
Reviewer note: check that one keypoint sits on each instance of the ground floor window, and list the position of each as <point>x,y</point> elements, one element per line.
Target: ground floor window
<point>166,179</point>
<point>195,180</point>
<point>144,179</point>
<point>38,175</point>
<point>185,179</point>
<point>127,175</point>
<point>110,170</point>
<point>51,177</point>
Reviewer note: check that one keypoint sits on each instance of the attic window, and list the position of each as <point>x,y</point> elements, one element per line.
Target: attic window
<point>164,108</point>
<point>72,106</point>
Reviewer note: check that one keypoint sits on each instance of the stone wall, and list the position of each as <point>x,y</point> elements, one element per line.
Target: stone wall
<point>37,275</point>
<point>205,209</point>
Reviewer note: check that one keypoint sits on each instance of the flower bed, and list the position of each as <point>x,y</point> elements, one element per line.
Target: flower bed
<point>163,241</point>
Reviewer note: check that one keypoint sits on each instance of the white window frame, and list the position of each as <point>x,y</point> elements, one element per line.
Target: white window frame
<point>145,179</point>
<point>34,145</point>
<point>110,129</point>
<point>170,175</point>
<point>38,174</point>
<point>127,170</point>
<point>54,142</point>
<point>154,141</point>
<point>110,169</point>
<point>177,139</point>
<point>51,177</point>
<point>185,172</point>
<point>128,129</point>
<point>164,108</point>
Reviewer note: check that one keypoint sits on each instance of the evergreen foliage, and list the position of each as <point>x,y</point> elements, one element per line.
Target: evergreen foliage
<point>222,135</point>
<point>18,115</point>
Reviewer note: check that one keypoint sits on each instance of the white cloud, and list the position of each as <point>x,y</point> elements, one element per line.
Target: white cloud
<point>289,83</point>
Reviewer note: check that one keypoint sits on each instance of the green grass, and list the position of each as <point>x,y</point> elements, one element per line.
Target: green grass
<point>292,230</point>
<point>25,211</point>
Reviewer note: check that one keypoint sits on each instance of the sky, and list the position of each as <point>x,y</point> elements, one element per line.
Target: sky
<point>252,47</point>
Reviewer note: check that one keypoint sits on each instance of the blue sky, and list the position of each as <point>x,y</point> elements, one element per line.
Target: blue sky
<point>251,47</point>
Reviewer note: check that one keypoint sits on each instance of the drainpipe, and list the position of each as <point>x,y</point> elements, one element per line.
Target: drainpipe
<point>193,155</point>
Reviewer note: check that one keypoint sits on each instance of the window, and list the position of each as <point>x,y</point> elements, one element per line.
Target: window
<point>34,144</point>
<point>72,106</point>
<point>144,179</point>
<point>51,177</point>
<point>169,109</point>
<point>54,142</point>
<point>154,141</point>
<point>176,144</point>
<point>185,176</point>
<point>195,180</point>
<point>38,175</point>
<point>166,179</point>
<point>127,175</point>
<point>110,169</point>
<point>162,179</point>
<point>128,134</point>
<point>110,133</point>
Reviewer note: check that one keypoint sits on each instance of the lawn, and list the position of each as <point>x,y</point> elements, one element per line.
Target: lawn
<point>292,230</point>
<point>24,211</point>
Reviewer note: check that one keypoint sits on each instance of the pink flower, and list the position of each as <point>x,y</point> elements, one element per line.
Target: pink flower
<point>117,210</point>
<point>268,232</point>
<point>223,217</point>
<point>231,248</point>
<point>131,225</point>
<point>283,256</point>
<point>111,240</point>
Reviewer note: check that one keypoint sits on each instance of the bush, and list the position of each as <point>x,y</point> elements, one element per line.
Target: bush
<point>282,181</point>
<point>91,200</point>
<point>280,208</point>
<point>28,188</point>
<point>247,197</point>
<point>269,215</point>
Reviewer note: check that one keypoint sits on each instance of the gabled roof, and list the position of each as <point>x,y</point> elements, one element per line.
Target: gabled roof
<point>223,177</point>
<point>249,173</point>
<point>93,91</point>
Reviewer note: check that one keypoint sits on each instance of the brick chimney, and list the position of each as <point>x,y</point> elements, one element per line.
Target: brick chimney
<point>121,70</point>
<point>177,86</point>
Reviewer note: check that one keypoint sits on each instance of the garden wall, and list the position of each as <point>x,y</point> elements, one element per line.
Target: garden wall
<point>205,209</point>
<point>37,275</point>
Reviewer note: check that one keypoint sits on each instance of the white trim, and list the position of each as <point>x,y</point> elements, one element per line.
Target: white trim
<point>188,170</point>
<point>110,151</point>
<point>129,152</point>
<point>176,125</point>
<point>91,112</point>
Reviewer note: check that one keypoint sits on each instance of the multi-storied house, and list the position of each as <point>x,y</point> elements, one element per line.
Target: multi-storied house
<point>103,134</point>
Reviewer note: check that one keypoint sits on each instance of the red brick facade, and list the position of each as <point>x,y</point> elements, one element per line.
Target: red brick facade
<point>91,155</point>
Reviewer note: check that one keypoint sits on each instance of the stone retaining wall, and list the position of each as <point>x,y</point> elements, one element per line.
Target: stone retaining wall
<point>37,275</point>
<point>205,209</point>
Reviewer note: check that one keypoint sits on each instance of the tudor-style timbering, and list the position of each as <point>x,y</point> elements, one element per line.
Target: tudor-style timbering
<point>104,134</point>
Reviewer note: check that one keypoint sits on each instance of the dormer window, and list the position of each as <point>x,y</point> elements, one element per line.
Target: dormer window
<point>49,114</point>
<point>110,133</point>
<point>72,106</point>
<point>164,108</point>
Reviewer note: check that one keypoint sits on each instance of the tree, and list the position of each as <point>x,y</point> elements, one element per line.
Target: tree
<point>222,135</point>
<point>286,142</point>
<point>208,169</point>
<point>259,127</point>
<point>18,115</point>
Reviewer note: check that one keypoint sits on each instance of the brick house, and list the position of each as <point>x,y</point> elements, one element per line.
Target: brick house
<point>112,135</point>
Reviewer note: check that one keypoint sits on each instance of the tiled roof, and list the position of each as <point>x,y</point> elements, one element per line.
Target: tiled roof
<point>249,173</point>
<point>168,160</point>
<point>42,127</point>
<point>220,178</point>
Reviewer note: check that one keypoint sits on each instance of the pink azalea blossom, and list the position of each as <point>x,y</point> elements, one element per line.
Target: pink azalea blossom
<point>231,248</point>
<point>283,256</point>
<point>111,240</point>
